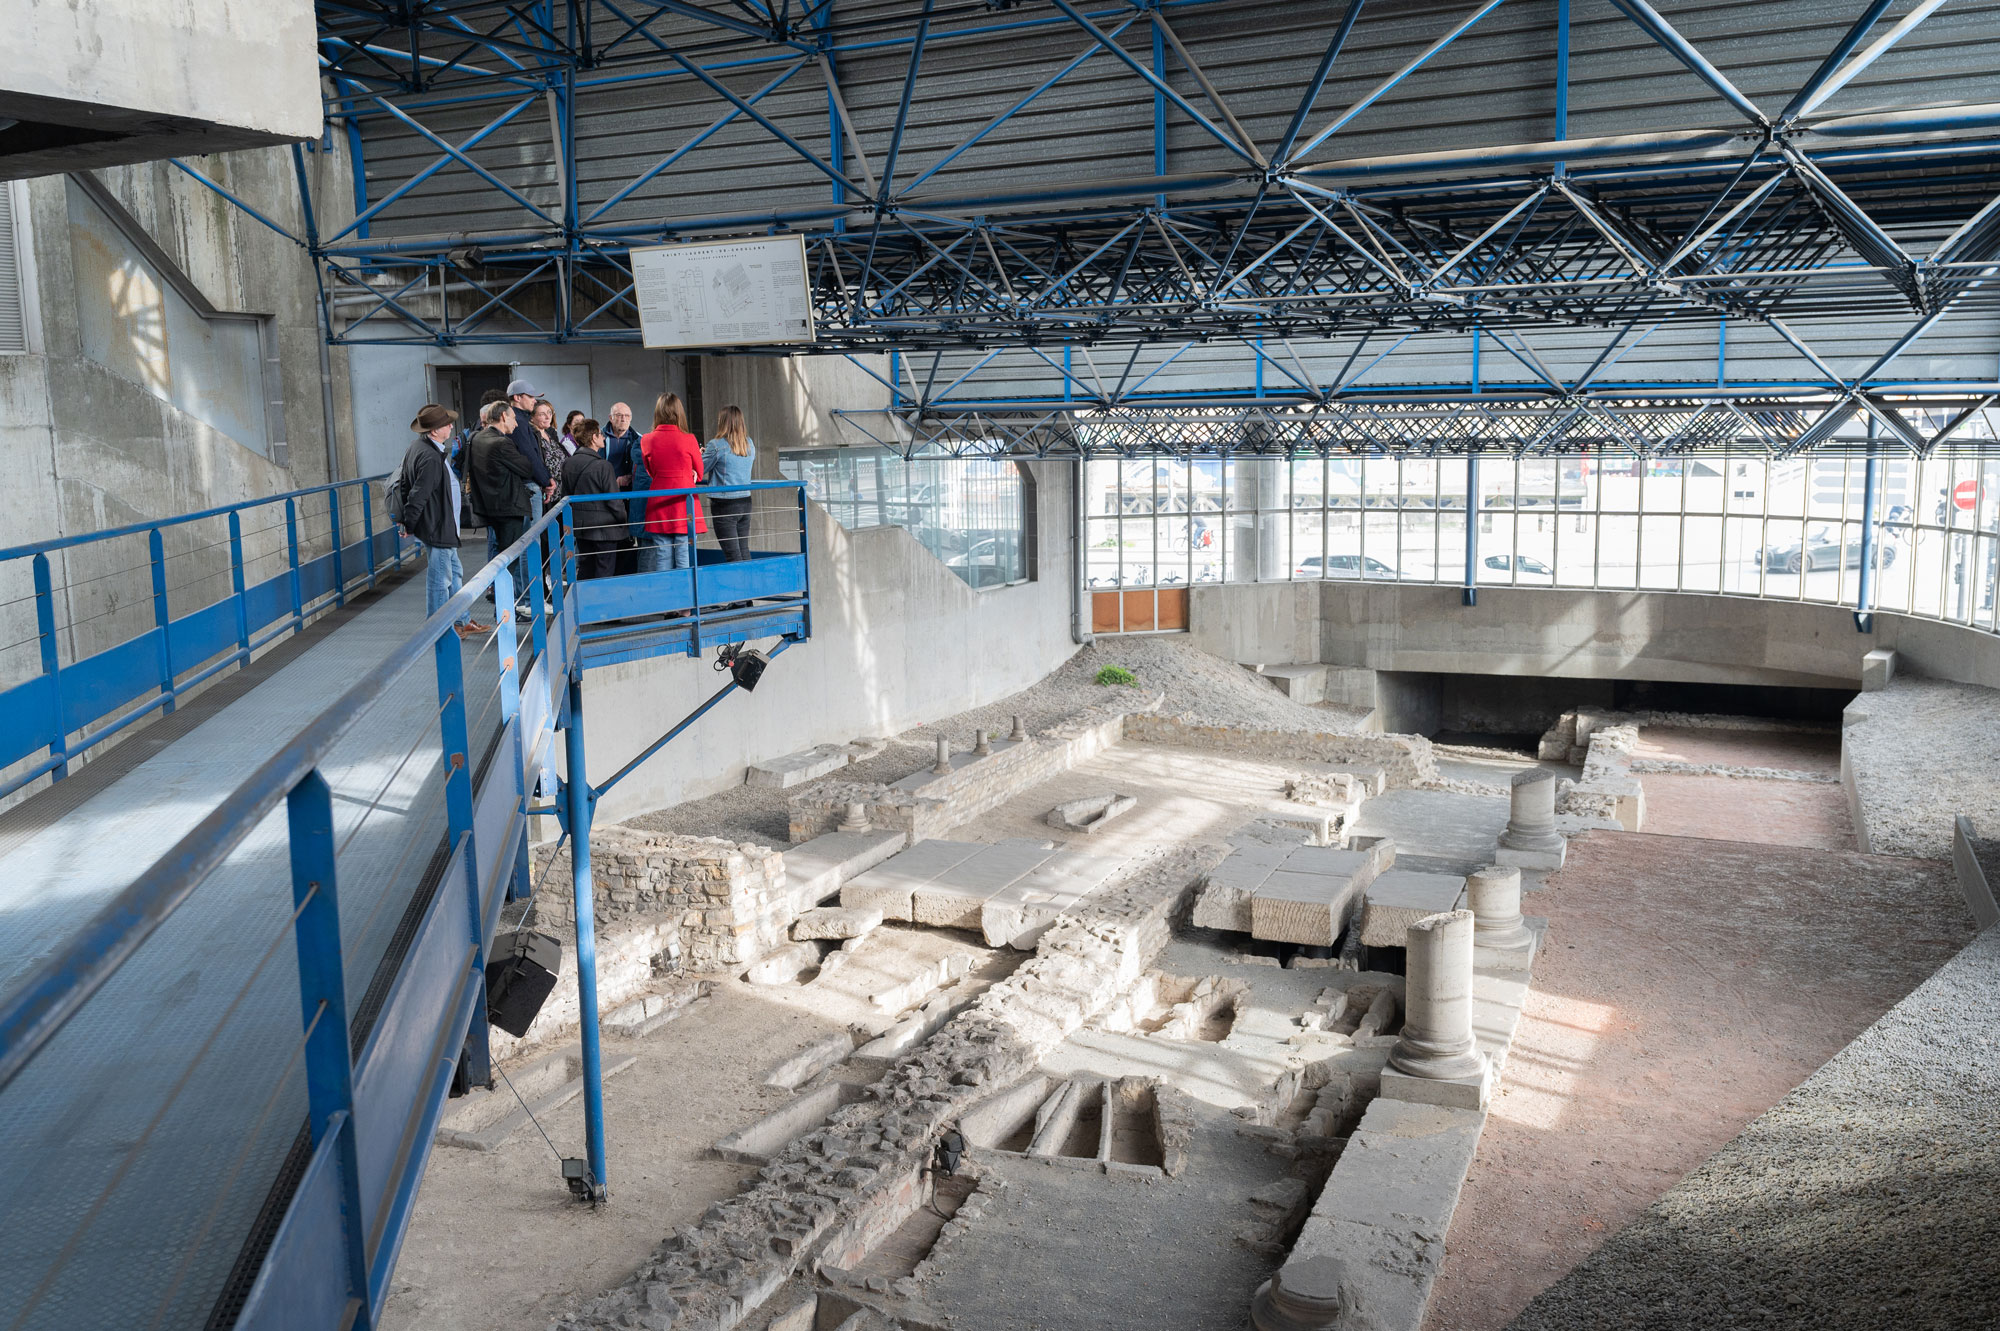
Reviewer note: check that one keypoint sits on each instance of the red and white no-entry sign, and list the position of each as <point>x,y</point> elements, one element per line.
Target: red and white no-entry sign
<point>1965,495</point>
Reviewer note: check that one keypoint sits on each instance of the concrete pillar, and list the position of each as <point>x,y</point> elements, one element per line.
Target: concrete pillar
<point>855,819</point>
<point>1020,730</point>
<point>982,743</point>
<point>1494,896</point>
<point>1306,1294</point>
<point>943,765</point>
<point>1436,1042</point>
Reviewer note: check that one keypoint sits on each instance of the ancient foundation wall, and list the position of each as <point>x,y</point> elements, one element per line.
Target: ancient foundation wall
<point>727,900</point>
<point>1407,760</point>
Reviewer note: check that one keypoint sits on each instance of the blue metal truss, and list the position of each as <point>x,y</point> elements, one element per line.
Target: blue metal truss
<point>1890,219</point>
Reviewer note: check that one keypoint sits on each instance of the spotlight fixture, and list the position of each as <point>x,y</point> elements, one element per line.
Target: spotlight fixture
<point>576,1173</point>
<point>744,664</point>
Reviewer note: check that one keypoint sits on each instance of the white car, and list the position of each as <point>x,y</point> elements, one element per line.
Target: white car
<point>1343,566</point>
<point>1519,565</point>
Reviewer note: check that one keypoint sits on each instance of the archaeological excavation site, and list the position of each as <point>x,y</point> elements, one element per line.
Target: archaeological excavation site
<point>1000,665</point>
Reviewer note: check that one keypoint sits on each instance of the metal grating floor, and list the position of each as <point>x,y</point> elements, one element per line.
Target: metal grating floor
<point>124,1209</point>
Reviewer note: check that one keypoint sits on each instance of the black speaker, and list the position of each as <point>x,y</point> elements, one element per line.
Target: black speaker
<point>520,973</point>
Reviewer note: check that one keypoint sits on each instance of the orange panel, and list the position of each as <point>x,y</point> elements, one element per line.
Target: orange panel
<point>1173,609</point>
<point>1104,612</point>
<point>1138,612</point>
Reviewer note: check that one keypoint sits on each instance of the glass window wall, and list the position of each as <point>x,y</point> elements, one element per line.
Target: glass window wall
<point>1733,522</point>
<point>971,513</point>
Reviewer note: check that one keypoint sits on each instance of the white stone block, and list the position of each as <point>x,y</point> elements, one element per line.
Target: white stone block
<point>1877,669</point>
<point>1399,898</point>
<point>1316,822</point>
<point>836,922</point>
<point>784,965</point>
<point>797,768</point>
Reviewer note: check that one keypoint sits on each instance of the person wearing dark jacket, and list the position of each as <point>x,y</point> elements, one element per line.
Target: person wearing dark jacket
<point>621,450</point>
<point>497,475</point>
<point>522,396</point>
<point>599,523</point>
<point>430,510</point>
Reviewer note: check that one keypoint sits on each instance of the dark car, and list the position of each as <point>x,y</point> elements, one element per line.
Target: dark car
<point>1520,565</point>
<point>1820,551</point>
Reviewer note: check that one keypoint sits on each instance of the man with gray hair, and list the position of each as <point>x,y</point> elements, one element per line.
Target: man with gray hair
<point>496,476</point>
<point>621,450</point>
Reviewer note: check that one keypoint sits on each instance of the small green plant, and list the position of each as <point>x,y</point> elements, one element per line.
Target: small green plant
<point>1116,675</point>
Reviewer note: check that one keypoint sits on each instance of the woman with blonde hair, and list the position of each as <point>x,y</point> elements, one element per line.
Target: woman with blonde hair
<point>726,460</point>
<point>673,461</point>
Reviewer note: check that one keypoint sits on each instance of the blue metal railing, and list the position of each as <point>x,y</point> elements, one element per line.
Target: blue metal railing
<point>64,709</point>
<point>374,1087</point>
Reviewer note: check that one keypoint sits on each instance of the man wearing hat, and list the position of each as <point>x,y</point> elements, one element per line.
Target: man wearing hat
<point>430,510</point>
<point>523,395</point>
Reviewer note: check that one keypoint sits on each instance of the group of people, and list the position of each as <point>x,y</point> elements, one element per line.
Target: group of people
<point>504,472</point>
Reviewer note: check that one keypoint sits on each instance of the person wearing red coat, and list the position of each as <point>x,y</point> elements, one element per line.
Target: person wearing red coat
<point>673,461</point>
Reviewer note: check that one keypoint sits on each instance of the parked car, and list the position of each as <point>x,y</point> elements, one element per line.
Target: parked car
<point>1520,565</point>
<point>1342,566</point>
<point>1820,551</point>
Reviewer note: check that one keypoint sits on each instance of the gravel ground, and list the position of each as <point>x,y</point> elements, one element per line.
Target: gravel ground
<point>1196,684</point>
<point>1864,1199</point>
<point>1925,754</point>
<point>1686,987</point>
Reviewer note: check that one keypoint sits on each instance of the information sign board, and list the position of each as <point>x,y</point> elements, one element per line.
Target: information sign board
<point>724,293</point>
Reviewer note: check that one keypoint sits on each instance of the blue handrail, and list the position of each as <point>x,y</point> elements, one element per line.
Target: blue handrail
<point>152,669</point>
<point>373,1113</point>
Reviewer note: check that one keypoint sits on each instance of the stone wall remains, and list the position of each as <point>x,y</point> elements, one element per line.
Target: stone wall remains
<point>832,1184</point>
<point>1407,760</point>
<point>728,900</point>
<point>934,808</point>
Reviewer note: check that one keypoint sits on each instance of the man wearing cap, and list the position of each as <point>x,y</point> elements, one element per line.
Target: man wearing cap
<point>523,395</point>
<point>430,510</point>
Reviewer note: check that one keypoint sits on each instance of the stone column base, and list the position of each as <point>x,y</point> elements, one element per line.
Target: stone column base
<point>1547,860</point>
<point>1456,1093</point>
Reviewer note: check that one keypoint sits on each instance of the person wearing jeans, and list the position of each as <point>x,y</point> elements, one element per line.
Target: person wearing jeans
<point>726,460</point>
<point>673,461</point>
<point>430,511</point>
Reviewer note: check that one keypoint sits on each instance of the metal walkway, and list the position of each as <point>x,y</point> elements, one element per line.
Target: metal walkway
<point>190,1136</point>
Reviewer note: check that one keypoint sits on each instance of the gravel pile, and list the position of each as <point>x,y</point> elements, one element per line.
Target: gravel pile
<point>1205,688</point>
<point>1864,1199</point>
<point>1926,753</point>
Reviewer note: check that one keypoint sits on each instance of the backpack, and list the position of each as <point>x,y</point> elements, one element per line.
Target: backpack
<point>396,495</point>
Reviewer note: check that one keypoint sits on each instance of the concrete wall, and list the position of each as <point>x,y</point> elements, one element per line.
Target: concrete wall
<point>86,448</point>
<point>789,401</point>
<point>143,79</point>
<point>1584,635</point>
<point>898,640</point>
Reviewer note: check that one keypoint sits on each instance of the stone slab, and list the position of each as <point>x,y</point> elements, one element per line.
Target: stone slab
<point>797,768</point>
<point>1317,822</point>
<point>468,1124</point>
<point>1088,814</point>
<point>769,1135</point>
<point>1449,1093</point>
<point>817,869</point>
<point>1387,1207</point>
<point>788,1074</point>
<point>890,886</point>
<point>840,922</point>
<point>1305,908</point>
<point>953,898</point>
<point>1020,913</point>
<point>1399,898</point>
<point>1300,683</point>
<point>783,965</point>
